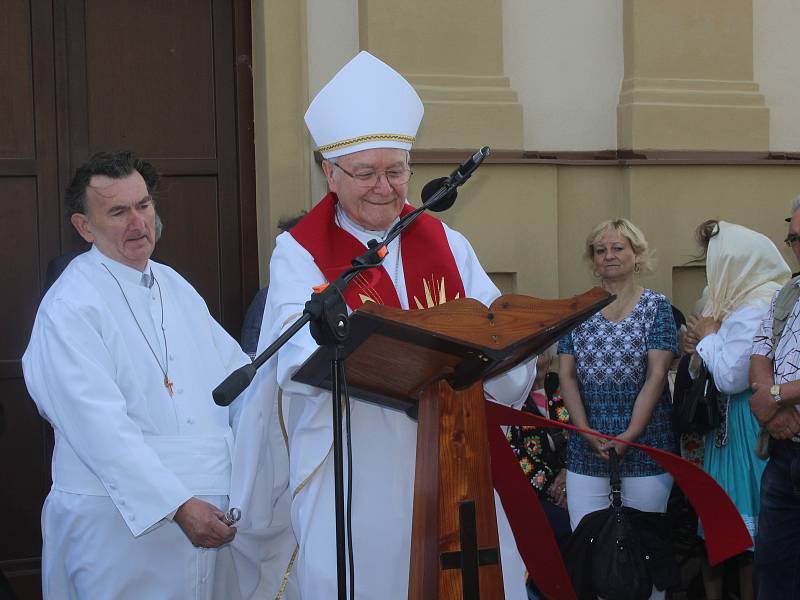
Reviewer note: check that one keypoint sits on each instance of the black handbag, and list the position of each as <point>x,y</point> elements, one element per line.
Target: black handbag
<point>694,401</point>
<point>620,553</point>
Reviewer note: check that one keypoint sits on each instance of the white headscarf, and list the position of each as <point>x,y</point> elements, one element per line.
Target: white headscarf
<point>742,267</point>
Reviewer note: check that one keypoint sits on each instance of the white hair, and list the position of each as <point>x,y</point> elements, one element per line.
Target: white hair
<point>333,163</point>
<point>796,204</point>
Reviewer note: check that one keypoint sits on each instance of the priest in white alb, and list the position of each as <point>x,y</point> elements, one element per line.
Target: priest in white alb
<point>364,122</point>
<point>122,361</point>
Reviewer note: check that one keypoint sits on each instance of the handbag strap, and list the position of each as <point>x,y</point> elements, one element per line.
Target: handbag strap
<point>616,482</point>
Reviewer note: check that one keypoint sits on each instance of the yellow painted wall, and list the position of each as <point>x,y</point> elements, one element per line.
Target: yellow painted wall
<point>509,214</point>
<point>667,203</point>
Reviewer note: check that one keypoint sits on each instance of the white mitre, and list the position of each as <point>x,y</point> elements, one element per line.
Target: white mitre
<point>366,105</point>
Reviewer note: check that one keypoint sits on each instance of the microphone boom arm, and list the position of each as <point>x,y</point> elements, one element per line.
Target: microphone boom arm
<point>326,310</point>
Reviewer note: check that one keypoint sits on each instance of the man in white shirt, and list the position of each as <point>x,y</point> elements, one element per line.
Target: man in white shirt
<point>122,360</point>
<point>364,122</point>
<point>775,381</point>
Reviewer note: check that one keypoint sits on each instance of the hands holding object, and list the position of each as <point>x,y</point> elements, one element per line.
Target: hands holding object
<point>205,525</point>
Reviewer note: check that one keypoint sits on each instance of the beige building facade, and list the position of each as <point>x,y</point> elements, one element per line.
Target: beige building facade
<point>665,113</point>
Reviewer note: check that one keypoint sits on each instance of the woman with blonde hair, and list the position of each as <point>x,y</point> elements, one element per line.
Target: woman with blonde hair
<point>613,370</point>
<point>744,271</point>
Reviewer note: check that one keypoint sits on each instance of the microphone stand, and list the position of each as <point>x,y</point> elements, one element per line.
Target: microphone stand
<point>326,311</point>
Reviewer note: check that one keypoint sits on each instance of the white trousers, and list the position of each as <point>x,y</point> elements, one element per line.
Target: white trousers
<point>586,494</point>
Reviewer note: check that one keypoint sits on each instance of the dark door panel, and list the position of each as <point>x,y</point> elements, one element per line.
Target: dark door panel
<point>197,196</point>
<point>168,79</point>
<point>169,110</point>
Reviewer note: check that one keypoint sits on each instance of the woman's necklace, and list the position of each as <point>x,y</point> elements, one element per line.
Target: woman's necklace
<point>164,369</point>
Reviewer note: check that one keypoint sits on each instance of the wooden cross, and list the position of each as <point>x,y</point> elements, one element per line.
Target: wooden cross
<point>168,385</point>
<point>470,558</point>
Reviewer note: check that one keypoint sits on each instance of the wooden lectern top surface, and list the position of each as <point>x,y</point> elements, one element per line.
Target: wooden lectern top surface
<point>392,355</point>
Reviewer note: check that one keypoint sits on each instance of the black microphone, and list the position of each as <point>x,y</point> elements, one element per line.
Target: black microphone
<point>433,186</point>
<point>467,168</point>
<point>234,384</point>
<point>463,172</point>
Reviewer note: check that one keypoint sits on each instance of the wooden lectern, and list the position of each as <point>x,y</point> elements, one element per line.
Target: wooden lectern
<point>432,364</point>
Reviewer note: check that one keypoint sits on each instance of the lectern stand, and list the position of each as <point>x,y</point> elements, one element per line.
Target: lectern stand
<point>432,364</point>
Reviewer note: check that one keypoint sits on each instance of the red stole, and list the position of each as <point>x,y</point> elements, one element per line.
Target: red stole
<point>429,268</point>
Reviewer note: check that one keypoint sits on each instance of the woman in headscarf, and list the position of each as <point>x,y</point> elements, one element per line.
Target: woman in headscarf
<point>744,271</point>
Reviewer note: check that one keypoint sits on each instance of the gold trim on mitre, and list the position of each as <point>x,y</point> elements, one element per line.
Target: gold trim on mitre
<point>375,137</point>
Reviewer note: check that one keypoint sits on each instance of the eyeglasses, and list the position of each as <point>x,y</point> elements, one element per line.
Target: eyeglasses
<point>792,240</point>
<point>369,179</point>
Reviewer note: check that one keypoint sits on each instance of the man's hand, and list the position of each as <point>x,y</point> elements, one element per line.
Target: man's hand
<point>762,404</point>
<point>202,524</point>
<point>785,424</point>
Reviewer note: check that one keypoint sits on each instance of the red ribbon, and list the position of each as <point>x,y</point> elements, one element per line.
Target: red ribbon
<point>725,532</point>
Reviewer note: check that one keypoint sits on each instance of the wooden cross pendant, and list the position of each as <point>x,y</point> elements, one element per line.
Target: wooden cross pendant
<point>168,385</point>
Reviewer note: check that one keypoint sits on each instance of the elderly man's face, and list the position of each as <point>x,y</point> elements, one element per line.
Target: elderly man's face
<point>794,229</point>
<point>120,219</point>
<point>373,207</point>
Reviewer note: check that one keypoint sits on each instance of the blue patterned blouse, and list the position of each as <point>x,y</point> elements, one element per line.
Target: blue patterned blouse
<point>611,366</point>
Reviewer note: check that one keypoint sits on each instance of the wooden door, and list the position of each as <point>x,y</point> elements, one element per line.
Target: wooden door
<point>29,232</point>
<point>168,79</point>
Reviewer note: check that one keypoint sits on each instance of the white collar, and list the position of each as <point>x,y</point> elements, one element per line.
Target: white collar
<point>119,270</point>
<point>360,232</point>
<point>364,235</point>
